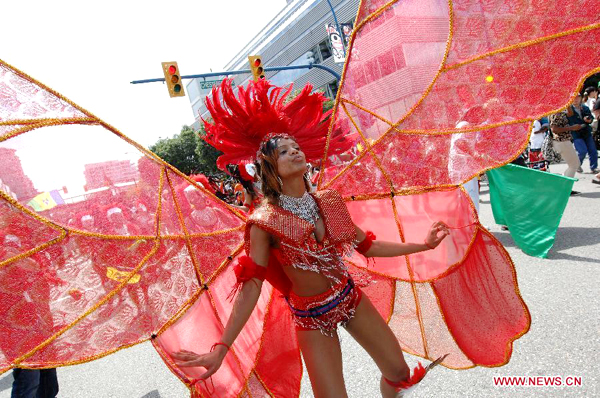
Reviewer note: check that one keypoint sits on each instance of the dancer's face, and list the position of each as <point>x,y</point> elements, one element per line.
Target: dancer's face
<point>290,159</point>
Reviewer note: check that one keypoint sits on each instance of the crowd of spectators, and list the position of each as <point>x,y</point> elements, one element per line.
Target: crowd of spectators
<point>570,135</point>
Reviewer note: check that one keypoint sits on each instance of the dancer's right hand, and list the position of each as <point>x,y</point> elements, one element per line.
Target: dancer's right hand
<point>210,361</point>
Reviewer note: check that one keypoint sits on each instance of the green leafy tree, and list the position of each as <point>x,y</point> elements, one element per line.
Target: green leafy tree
<point>207,155</point>
<point>179,150</point>
<point>188,153</point>
<point>327,105</point>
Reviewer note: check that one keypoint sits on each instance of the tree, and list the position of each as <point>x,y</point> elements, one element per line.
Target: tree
<point>179,151</point>
<point>327,105</point>
<point>188,153</point>
<point>207,154</point>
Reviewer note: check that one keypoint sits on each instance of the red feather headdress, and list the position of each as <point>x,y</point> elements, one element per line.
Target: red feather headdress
<point>240,124</point>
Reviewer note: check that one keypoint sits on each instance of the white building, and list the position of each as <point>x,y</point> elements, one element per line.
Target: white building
<point>294,36</point>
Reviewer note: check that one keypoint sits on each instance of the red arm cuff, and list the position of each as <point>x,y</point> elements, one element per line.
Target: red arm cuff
<point>247,269</point>
<point>366,244</point>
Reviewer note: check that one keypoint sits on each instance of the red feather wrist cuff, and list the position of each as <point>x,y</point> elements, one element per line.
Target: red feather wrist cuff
<point>247,269</point>
<point>366,244</point>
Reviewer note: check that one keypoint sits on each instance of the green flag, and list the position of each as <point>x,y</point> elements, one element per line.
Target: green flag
<point>531,203</point>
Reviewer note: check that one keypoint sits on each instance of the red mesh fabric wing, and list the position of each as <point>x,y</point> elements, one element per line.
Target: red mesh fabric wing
<point>416,69</point>
<point>99,249</point>
<point>460,299</point>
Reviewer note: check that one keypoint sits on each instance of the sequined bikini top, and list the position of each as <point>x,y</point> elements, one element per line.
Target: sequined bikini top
<point>297,244</point>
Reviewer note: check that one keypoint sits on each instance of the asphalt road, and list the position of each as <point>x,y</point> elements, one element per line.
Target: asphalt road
<point>562,293</point>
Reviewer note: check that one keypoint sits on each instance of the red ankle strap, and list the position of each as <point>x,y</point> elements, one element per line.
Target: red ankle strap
<point>395,384</point>
<point>417,375</point>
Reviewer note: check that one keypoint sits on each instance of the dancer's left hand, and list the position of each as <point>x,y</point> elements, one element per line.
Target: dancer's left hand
<point>211,361</point>
<point>438,231</point>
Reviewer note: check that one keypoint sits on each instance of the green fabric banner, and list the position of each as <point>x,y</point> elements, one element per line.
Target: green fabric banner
<point>531,203</point>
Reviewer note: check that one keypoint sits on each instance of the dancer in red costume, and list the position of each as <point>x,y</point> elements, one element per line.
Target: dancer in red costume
<point>298,241</point>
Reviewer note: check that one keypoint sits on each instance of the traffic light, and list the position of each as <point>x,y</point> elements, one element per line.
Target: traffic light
<point>173,79</point>
<point>256,67</point>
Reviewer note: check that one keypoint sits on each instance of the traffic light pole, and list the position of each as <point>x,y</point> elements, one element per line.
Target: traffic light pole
<point>247,71</point>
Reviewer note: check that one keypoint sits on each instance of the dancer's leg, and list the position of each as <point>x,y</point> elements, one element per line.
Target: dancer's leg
<point>323,358</point>
<point>371,331</point>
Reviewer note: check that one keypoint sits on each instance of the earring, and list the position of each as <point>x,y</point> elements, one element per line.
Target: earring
<point>280,182</point>
<point>308,182</point>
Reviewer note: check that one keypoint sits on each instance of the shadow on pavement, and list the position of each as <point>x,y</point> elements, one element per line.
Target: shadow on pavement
<point>570,237</point>
<point>590,195</point>
<point>6,381</point>
<point>151,394</point>
<point>570,257</point>
<point>566,238</point>
<point>504,238</point>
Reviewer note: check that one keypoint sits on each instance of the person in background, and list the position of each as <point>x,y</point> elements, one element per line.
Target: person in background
<point>561,134</point>
<point>580,115</point>
<point>590,95</point>
<point>596,123</point>
<point>34,383</point>
<point>536,158</point>
<point>596,110</point>
<point>21,282</point>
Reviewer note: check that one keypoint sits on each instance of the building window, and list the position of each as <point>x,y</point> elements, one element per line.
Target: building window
<point>325,50</point>
<point>287,76</point>
<point>321,52</point>
<point>332,89</point>
<point>316,55</point>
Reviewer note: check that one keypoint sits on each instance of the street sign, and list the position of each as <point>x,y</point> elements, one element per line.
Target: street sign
<point>209,84</point>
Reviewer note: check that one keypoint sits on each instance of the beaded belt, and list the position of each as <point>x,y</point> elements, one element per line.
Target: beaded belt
<point>325,308</point>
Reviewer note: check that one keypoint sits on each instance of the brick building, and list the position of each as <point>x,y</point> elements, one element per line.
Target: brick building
<point>13,176</point>
<point>98,175</point>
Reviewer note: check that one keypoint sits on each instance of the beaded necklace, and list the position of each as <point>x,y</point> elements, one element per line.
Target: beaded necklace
<point>305,207</point>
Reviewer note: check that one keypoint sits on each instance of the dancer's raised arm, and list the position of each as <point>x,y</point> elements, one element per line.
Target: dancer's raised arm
<point>377,248</point>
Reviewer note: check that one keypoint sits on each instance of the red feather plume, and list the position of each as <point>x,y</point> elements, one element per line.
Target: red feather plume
<point>241,123</point>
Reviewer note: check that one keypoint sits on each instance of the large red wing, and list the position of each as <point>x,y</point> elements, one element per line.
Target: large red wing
<point>435,294</point>
<point>86,271</point>
<point>416,69</point>
<point>433,94</point>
